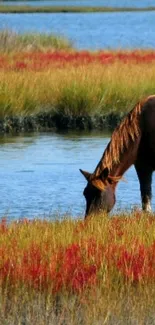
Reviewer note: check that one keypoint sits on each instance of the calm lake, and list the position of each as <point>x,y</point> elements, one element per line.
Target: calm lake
<point>39,175</point>
<point>87,3</point>
<point>90,31</point>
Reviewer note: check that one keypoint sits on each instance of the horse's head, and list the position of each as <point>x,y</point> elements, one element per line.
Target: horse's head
<point>99,192</point>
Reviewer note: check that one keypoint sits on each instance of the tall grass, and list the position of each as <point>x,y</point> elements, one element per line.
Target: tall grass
<point>12,41</point>
<point>72,272</point>
<point>85,90</point>
<point>71,83</point>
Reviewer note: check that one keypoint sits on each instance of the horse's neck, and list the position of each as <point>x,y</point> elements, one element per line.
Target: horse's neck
<point>126,159</point>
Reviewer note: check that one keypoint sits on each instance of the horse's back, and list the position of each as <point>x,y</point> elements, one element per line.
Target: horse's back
<point>148,118</point>
<point>148,129</point>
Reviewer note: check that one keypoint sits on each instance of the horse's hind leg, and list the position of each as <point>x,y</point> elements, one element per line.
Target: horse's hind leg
<point>145,179</point>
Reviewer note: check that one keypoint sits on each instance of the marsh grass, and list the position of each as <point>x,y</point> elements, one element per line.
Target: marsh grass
<point>86,90</point>
<point>70,89</point>
<point>27,248</point>
<point>11,41</point>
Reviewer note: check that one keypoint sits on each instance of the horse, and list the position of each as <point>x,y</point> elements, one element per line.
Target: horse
<point>132,143</point>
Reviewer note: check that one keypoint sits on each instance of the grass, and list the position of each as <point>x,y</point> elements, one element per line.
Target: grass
<point>70,90</point>
<point>11,41</point>
<point>44,74</point>
<point>72,272</point>
<point>68,9</point>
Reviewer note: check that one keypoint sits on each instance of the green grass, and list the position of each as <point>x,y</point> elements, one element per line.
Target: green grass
<point>67,9</point>
<point>76,91</point>
<point>15,42</point>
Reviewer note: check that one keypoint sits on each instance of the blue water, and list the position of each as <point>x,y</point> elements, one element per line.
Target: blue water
<point>39,175</point>
<point>89,3</point>
<point>90,31</point>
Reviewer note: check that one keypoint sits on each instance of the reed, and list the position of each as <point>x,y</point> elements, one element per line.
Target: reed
<point>102,271</point>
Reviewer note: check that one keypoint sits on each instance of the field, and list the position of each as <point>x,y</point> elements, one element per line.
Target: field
<point>72,272</point>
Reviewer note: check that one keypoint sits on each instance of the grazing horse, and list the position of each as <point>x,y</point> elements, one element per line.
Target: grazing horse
<point>132,142</point>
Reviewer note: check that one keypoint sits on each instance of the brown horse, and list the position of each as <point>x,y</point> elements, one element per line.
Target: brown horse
<point>132,142</point>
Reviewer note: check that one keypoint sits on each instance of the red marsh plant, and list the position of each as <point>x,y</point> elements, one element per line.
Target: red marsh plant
<point>38,61</point>
<point>37,255</point>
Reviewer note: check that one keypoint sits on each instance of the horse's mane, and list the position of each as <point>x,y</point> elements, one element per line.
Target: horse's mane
<point>128,130</point>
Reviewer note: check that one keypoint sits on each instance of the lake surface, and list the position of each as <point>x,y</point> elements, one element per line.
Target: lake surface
<point>90,31</point>
<point>39,175</point>
<point>87,3</point>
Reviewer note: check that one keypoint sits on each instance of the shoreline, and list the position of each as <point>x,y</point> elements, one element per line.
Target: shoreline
<point>57,122</point>
<point>69,9</point>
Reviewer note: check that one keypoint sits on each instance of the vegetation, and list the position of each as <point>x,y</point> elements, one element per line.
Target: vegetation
<point>74,83</point>
<point>72,272</point>
<point>11,41</point>
<point>44,75</point>
<point>67,9</point>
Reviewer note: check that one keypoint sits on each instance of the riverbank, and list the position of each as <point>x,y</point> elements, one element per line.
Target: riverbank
<point>74,272</point>
<point>68,9</point>
<point>45,122</point>
<point>59,91</point>
<point>47,85</point>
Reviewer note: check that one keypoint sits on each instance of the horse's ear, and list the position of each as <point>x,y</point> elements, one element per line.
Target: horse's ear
<point>98,184</point>
<point>86,175</point>
<point>105,173</point>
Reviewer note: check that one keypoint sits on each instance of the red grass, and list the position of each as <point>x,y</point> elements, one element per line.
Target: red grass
<point>78,266</point>
<point>37,61</point>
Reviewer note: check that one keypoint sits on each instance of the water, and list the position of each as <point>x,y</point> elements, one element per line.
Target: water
<point>90,31</point>
<point>87,3</point>
<point>39,175</point>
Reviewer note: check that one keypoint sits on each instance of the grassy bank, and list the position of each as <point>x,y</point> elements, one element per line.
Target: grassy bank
<point>82,90</point>
<point>73,272</point>
<point>68,9</point>
<point>47,87</point>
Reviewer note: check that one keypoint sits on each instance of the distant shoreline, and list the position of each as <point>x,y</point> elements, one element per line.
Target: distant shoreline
<point>68,9</point>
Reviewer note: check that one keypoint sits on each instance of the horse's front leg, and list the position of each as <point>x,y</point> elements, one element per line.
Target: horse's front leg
<point>145,179</point>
